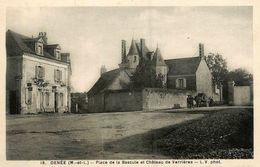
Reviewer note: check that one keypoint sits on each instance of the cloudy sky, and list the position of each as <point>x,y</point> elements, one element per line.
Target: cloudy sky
<point>93,34</point>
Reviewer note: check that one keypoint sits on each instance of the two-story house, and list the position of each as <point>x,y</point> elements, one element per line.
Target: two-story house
<point>37,75</point>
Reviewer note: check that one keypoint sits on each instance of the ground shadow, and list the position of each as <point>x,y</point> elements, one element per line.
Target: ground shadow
<point>227,134</point>
<point>144,143</point>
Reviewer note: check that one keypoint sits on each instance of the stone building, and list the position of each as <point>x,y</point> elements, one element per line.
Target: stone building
<point>37,75</point>
<point>145,81</point>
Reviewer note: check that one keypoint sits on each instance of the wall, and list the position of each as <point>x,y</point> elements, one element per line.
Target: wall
<point>123,101</point>
<point>162,99</point>
<point>204,79</point>
<point>240,95</point>
<point>13,82</point>
<point>28,71</point>
<point>96,103</point>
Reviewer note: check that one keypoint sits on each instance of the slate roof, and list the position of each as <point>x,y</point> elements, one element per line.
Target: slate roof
<point>17,44</point>
<point>158,59</point>
<point>133,49</point>
<point>183,66</point>
<point>106,79</point>
<point>145,50</point>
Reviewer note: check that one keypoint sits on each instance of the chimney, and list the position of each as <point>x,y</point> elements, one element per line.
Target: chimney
<point>103,69</point>
<point>123,51</point>
<point>44,36</point>
<point>201,50</point>
<point>142,42</point>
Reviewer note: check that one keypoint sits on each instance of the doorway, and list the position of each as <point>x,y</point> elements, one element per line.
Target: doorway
<point>56,98</point>
<point>14,102</point>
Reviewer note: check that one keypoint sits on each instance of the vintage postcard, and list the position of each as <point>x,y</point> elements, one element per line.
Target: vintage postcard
<point>123,84</point>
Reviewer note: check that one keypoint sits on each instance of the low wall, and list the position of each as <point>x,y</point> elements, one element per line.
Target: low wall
<point>162,99</point>
<point>242,95</point>
<point>123,101</point>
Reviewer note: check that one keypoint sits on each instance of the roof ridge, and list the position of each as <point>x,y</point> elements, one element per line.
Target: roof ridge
<point>182,58</point>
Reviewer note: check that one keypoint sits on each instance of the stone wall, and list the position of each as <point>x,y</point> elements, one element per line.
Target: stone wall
<point>240,95</point>
<point>162,99</point>
<point>123,101</point>
<point>96,103</point>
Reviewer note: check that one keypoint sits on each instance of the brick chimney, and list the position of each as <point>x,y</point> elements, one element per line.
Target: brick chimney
<point>201,50</point>
<point>44,36</point>
<point>123,51</point>
<point>142,42</point>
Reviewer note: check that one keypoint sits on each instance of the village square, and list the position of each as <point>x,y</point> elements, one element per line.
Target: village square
<point>150,105</point>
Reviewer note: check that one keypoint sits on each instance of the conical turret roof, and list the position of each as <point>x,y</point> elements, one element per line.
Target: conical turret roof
<point>133,49</point>
<point>158,59</point>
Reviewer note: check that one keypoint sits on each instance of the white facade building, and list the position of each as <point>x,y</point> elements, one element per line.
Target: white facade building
<point>37,76</point>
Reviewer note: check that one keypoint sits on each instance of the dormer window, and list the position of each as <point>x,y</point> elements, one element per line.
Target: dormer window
<point>39,48</point>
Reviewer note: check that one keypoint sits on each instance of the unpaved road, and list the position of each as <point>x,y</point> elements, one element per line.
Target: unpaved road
<point>122,135</point>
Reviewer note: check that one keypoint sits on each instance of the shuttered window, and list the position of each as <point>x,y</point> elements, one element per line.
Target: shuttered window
<point>181,83</point>
<point>61,99</point>
<point>39,72</point>
<point>47,98</point>
<point>57,75</point>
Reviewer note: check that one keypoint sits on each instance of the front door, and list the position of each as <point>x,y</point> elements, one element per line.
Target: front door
<point>56,102</point>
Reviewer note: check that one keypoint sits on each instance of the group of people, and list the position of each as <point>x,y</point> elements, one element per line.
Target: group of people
<point>199,100</point>
<point>190,101</point>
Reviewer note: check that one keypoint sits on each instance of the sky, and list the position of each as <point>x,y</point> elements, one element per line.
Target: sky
<point>92,35</point>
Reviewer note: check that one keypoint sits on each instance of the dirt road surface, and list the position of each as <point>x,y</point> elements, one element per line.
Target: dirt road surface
<point>121,135</point>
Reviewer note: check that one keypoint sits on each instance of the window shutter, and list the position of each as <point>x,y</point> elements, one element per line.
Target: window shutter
<point>36,71</point>
<point>55,75</point>
<point>184,82</point>
<point>60,75</point>
<point>177,83</point>
<point>43,72</point>
<point>40,72</point>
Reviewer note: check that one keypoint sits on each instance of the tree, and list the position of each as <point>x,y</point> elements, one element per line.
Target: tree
<point>241,77</point>
<point>218,67</point>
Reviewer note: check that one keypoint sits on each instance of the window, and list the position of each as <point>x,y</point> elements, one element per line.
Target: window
<point>61,99</point>
<point>28,95</point>
<point>57,75</point>
<point>39,72</point>
<point>39,49</point>
<point>181,83</point>
<point>47,99</point>
<point>134,58</point>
